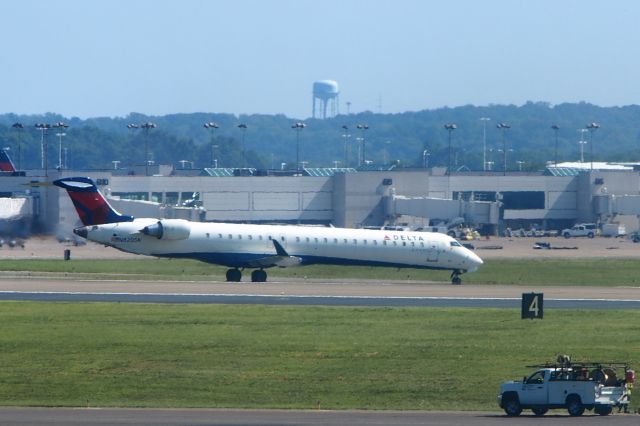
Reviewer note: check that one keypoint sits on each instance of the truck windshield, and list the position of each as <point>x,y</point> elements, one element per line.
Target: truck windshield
<point>537,377</point>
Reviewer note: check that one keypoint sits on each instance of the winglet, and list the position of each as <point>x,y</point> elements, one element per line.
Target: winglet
<point>90,204</point>
<point>279,249</point>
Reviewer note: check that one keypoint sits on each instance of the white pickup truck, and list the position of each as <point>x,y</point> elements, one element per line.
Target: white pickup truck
<point>589,230</point>
<point>575,388</point>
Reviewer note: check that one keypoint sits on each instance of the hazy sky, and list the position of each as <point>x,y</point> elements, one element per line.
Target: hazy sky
<point>108,58</point>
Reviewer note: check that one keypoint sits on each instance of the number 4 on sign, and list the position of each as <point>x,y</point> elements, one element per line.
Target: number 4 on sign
<point>532,305</point>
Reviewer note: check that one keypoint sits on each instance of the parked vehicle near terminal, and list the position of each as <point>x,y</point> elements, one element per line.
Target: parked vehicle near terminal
<point>589,230</point>
<point>575,387</point>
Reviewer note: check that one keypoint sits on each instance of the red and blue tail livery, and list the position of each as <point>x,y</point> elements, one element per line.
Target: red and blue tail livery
<point>91,206</point>
<point>6,165</point>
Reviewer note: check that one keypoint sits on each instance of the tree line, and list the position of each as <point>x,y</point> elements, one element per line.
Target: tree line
<point>408,139</point>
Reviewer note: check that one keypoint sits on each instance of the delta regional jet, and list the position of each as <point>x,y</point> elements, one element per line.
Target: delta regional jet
<point>240,246</point>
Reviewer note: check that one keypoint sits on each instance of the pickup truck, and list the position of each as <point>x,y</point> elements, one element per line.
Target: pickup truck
<point>575,388</point>
<point>581,230</point>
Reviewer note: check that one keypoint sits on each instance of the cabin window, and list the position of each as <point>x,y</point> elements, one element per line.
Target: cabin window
<point>345,241</point>
<point>455,244</point>
<point>326,241</point>
<point>316,240</point>
<point>384,243</point>
<point>375,242</point>
<point>219,235</point>
<point>413,244</point>
<point>404,244</point>
<point>308,239</point>
<point>355,241</point>
<point>260,237</point>
<point>395,243</point>
<point>282,238</point>
<point>207,234</point>
<point>250,237</point>
<point>239,236</point>
<point>230,236</point>
<point>335,241</point>
<point>365,242</point>
<point>270,238</point>
<point>297,239</point>
<point>421,244</point>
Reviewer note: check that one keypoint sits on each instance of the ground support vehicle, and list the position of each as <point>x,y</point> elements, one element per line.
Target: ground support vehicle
<point>589,230</point>
<point>575,387</point>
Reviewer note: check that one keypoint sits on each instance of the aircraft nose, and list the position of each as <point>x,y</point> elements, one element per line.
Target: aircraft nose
<point>81,232</point>
<point>474,260</point>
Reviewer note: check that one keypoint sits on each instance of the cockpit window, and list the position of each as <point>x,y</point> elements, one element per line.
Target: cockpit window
<point>455,244</point>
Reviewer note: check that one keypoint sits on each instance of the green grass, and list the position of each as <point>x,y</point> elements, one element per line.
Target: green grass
<point>137,355</point>
<point>600,272</point>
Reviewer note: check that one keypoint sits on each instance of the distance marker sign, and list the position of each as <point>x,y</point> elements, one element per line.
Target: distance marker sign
<point>532,305</point>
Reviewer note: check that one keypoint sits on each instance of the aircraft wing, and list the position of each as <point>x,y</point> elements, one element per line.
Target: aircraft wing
<point>281,259</point>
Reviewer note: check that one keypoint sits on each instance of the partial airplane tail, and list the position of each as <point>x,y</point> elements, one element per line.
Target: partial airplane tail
<point>90,204</point>
<point>6,165</point>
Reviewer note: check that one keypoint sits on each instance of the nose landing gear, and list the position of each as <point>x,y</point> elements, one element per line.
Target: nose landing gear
<point>455,277</point>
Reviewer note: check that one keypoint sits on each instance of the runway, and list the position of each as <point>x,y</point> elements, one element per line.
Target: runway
<point>178,417</point>
<point>313,292</point>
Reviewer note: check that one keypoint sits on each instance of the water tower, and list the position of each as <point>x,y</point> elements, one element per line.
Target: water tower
<point>325,93</point>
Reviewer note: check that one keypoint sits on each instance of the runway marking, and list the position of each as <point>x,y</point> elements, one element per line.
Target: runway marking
<point>76,293</point>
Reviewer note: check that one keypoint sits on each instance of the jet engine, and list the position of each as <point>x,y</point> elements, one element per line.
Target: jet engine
<point>168,229</point>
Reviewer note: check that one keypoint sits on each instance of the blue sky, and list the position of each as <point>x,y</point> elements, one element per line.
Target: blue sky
<point>109,58</point>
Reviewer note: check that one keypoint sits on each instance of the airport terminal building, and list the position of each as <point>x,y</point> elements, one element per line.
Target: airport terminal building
<point>418,198</point>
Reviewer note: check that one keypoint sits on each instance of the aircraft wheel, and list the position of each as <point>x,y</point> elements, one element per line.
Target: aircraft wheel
<point>259,276</point>
<point>234,275</point>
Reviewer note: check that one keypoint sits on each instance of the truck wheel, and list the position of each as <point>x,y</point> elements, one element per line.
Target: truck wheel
<point>574,406</point>
<point>603,410</point>
<point>540,411</point>
<point>567,235</point>
<point>590,235</point>
<point>512,407</point>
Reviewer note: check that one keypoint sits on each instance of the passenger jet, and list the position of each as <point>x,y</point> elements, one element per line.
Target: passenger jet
<point>258,247</point>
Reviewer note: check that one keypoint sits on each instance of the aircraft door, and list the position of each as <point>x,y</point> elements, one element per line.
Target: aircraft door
<point>433,250</point>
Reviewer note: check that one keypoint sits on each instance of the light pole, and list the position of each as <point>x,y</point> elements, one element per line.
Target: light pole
<point>425,159</point>
<point>43,127</point>
<point>582,143</point>
<point>298,127</point>
<point>243,128</point>
<point>450,127</point>
<point>212,126</point>
<point>146,127</point>
<point>363,128</point>
<point>504,127</point>
<point>555,128</point>
<point>592,127</point>
<point>484,141</point>
<point>520,163</point>
<point>386,152</point>
<point>62,127</point>
<point>19,127</point>
<point>346,136</point>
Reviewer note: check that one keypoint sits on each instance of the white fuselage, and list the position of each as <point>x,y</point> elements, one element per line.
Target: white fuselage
<point>238,245</point>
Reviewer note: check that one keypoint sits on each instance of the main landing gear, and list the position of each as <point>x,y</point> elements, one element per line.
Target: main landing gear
<point>455,277</point>
<point>257,276</point>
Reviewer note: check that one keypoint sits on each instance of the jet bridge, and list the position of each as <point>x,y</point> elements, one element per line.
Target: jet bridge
<point>479,213</point>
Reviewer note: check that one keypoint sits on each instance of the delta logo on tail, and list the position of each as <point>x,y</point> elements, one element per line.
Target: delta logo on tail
<point>6,165</point>
<point>92,207</point>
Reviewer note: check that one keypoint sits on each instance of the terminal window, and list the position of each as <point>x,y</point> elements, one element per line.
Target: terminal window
<point>523,200</point>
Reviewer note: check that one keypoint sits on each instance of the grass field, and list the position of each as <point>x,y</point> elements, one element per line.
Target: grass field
<point>137,355</point>
<point>600,272</point>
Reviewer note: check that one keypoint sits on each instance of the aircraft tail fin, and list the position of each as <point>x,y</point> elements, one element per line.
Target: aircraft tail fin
<point>6,165</point>
<point>90,204</point>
